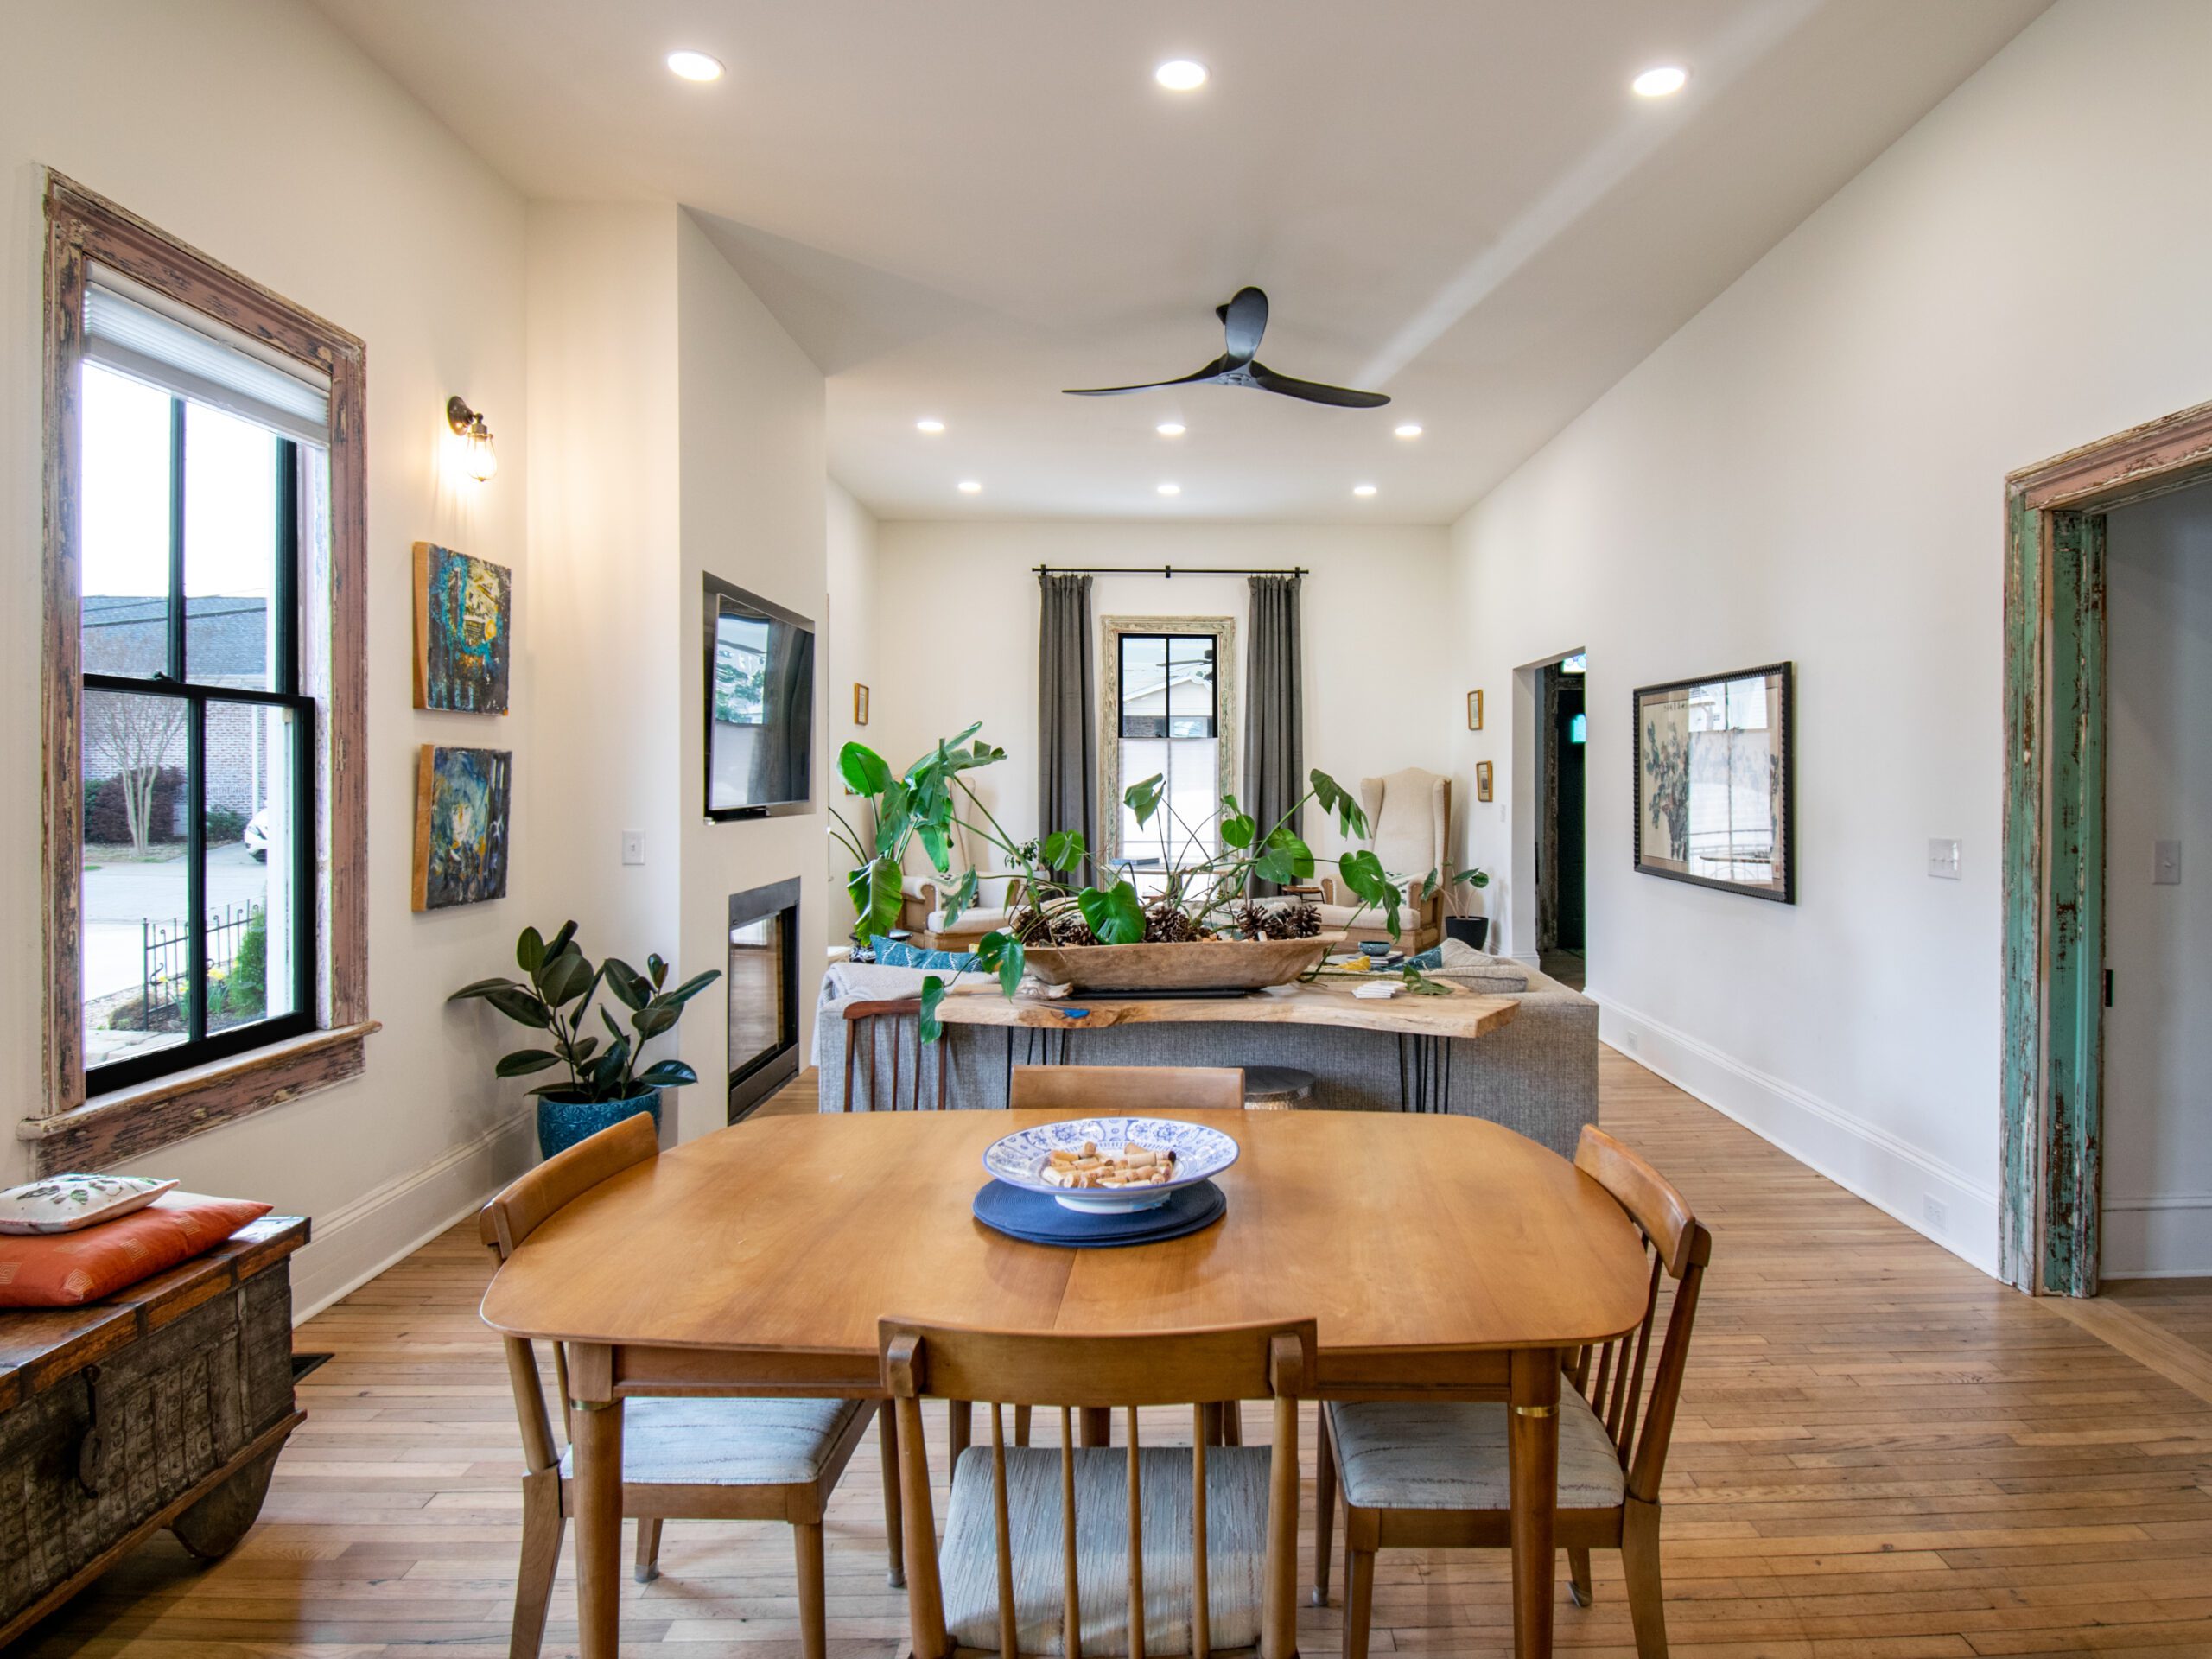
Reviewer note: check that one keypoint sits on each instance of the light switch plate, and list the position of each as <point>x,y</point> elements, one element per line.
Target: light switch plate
<point>1944,858</point>
<point>633,845</point>
<point>2165,864</point>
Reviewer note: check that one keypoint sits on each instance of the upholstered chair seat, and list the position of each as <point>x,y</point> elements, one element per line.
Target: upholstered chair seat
<point>1451,1455</point>
<point>681,1442</point>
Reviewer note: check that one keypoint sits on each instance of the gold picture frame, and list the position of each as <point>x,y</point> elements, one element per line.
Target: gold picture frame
<point>1481,780</point>
<point>860,703</point>
<point>1474,711</point>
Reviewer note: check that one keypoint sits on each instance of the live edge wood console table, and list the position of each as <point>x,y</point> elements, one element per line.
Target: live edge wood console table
<point>1424,1025</point>
<point>165,1406</point>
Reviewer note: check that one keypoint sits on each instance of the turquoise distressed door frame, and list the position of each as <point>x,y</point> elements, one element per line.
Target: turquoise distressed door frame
<point>2052,1109</point>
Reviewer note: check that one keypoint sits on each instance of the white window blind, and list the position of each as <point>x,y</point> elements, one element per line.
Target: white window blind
<point>134,331</point>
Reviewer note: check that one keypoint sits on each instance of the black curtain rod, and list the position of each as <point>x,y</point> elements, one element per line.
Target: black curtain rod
<point>1167,570</point>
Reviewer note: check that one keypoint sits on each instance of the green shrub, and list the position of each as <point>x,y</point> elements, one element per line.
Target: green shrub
<point>245,991</point>
<point>224,824</point>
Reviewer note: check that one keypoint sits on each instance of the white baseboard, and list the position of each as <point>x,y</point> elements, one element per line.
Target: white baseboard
<point>358,1240</point>
<point>2168,1235</point>
<point>1929,1196</point>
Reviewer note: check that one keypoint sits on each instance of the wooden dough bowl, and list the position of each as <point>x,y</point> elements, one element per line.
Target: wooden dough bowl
<point>1198,965</point>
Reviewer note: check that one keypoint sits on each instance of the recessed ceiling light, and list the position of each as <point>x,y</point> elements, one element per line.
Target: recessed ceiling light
<point>970,486</point>
<point>695,66</point>
<point>930,425</point>
<point>1180,75</point>
<point>1410,429</point>
<point>1362,489</point>
<point>1170,489</point>
<point>1169,429</point>
<point>1661,81</point>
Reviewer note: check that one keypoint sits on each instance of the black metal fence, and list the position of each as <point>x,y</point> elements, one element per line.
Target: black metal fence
<point>165,977</point>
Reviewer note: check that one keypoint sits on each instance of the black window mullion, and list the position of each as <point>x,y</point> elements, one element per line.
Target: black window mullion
<point>195,860</point>
<point>176,540</point>
<point>285,607</point>
<point>305,957</point>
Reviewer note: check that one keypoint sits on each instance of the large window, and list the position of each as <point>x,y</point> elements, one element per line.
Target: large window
<point>206,934</point>
<point>1169,713</point>
<point>196,770</point>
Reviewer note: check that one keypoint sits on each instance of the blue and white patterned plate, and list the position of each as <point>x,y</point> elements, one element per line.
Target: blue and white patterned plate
<point>1200,1153</point>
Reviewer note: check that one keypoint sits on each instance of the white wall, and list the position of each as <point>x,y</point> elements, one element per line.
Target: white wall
<point>2157,1135</point>
<point>754,460</point>
<point>955,638</point>
<point>255,133</point>
<point>849,657</point>
<point>1813,469</point>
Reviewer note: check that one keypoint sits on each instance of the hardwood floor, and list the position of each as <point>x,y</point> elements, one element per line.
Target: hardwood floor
<point>1882,1455</point>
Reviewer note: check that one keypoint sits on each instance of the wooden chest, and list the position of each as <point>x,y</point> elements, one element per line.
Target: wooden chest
<point>164,1407</point>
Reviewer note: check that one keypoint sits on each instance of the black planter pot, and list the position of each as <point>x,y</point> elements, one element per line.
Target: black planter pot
<point>1468,930</point>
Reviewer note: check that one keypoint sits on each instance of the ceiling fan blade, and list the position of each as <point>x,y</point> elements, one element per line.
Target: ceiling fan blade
<point>1243,320</point>
<point>1312,390</point>
<point>1213,371</point>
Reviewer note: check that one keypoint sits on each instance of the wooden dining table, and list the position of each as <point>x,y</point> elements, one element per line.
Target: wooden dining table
<point>1439,1256</point>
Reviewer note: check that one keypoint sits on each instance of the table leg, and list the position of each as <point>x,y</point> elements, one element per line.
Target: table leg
<point>596,1426</point>
<point>1533,1451</point>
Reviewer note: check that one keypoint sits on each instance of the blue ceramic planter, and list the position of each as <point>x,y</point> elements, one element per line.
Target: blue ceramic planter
<point>562,1123</point>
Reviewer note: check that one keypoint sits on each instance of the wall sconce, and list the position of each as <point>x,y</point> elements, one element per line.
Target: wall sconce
<point>476,440</point>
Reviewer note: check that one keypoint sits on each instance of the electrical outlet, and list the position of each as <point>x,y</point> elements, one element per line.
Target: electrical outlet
<point>1943,860</point>
<point>633,845</point>
<point>2165,864</point>
<point>1630,1040</point>
<point>1936,1213</point>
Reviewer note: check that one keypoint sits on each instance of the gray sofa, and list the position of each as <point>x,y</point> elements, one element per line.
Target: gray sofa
<point>1537,1075</point>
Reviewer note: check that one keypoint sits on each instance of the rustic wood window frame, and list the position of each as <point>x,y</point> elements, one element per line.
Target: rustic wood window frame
<point>2052,1109</point>
<point>1110,630</point>
<point>70,1131</point>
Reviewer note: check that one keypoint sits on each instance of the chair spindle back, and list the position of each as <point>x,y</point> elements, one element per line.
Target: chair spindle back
<point>1242,1363</point>
<point>518,1211</point>
<point>1610,1375</point>
<point>860,1039</point>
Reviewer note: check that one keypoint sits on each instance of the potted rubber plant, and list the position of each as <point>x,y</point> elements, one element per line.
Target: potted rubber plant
<point>603,1086</point>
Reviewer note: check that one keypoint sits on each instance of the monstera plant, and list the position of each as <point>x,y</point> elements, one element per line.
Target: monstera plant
<point>1206,893</point>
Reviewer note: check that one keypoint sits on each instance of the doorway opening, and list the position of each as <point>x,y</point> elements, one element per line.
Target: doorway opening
<point>2057,710</point>
<point>1562,733</point>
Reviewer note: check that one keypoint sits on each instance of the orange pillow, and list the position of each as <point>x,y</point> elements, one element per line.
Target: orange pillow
<point>66,1269</point>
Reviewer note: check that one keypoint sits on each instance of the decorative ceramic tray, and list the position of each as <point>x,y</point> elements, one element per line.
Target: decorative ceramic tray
<point>1200,1153</point>
<point>1199,964</point>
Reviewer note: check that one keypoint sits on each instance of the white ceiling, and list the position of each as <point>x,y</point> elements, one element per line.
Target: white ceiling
<point>959,208</point>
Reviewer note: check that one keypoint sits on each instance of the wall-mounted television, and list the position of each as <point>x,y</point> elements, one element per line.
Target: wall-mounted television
<point>759,706</point>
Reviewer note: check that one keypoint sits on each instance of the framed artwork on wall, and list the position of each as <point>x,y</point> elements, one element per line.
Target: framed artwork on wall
<point>1481,780</point>
<point>1474,711</point>
<point>860,704</point>
<point>1715,801</point>
<point>461,803</point>
<point>463,611</point>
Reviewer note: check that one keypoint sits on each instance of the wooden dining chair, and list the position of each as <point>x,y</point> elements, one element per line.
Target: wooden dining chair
<point>861,1054</point>
<point>1427,1476</point>
<point>1090,1090</point>
<point>1099,1553</point>
<point>682,1459</point>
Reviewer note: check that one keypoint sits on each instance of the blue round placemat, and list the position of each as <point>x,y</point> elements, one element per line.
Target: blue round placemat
<point>1037,1218</point>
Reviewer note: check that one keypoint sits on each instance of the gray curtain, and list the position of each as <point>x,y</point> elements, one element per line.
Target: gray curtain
<point>1275,719</point>
<point>1067,713</point>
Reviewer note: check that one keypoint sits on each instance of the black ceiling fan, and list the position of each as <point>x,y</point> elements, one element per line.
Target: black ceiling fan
<point>1243,320</point>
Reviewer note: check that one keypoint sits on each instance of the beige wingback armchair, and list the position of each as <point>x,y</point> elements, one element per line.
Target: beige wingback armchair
<point>924,892</point>
<point>1409,825</point>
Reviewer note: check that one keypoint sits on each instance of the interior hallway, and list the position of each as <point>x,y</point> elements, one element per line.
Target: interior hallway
<point>1882,1454</point>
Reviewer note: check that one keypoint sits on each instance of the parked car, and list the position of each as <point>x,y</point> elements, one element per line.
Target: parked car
<point>257,836</point>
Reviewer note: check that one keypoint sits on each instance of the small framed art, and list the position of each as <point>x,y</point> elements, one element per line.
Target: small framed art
<point>1715,804</point>
<point>1474,711</point>
<point>860,704</point>
<point>1481,780</point>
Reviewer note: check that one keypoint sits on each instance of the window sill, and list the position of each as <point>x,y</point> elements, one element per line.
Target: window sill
<point>131,1122</point>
